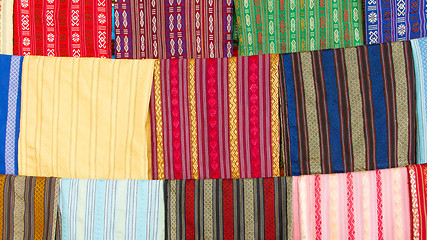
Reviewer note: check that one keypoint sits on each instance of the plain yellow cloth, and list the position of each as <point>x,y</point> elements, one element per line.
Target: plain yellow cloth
<point>85,118</point>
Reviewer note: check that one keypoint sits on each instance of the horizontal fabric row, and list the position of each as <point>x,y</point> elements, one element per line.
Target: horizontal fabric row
<point>381,204</point>
<point>239,117</point>
<point>202,29</point>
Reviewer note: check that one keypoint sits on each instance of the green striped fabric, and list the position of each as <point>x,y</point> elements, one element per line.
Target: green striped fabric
<point>283,26</point>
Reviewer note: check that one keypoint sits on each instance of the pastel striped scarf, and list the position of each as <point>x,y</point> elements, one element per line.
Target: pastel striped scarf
<point>112,209</point>
<point>418,192</point>
<point>215,118</point>
<point>66,28</point>
<point>229,209</point>
<point>419,47</point>
<point>348,109</point>
<point>394,20</point>
<point>272,26</point>
<point>162,29</point>
<point>10,109</point>
<point>28,207</point>
<point>363,205</point>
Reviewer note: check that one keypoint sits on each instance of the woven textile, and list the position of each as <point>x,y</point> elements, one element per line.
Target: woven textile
<point>348,109</point>
<point>418,192</point>
<point>28,207</point>
<point>216,118</point>
<point>85,117</point>
<point>273,26</point>
<point>66,28</point>
<point>394,20</point>
<point>6,26</point>
<point>364,205</point>
<point>112,209</point>
<point>173,29</point>
<point>419,47</point>
<point>229,209</point>
<point>10,108</point>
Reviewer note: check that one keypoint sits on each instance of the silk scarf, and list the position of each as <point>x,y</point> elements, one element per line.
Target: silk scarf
<point>229,209</point>
<point>28,207</point>
<point>112,209</point>
<point>174,29</point>
<point>363,205</point>
<point>271,26</point>
<point>215,118</point>
<point>85,117</point>
<point>347,110</point>
<point>418,193</point>
<point>419,47</point>
<point>6,26</point>
<point>66,28</point>
<point>394,20</point>
<point>10,108</point>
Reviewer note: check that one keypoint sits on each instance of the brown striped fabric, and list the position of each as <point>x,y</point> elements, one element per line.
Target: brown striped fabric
<point>257,208</point>
<point>28,207</point>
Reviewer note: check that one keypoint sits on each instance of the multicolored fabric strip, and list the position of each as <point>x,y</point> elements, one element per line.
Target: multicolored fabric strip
<point>85,118</point>
<point>229,209</point>
<point>112,209</point>
<point>10,109</point>
<point>363,205</point>
<point>418,192</point>
<point>6,26</point>
<point>216,118</point>
<point>273,26</point>
<point>348,109</point>
<point>66,28</point>
<point>162,29</point>
<point>28,207</point>
<point>394,20</point>
<point>419,47</point>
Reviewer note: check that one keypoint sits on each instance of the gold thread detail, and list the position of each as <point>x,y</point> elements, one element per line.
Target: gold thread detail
<point>193,118</point>
<point>232,102</point>
<point>275,125</point>
<point>159,121</point>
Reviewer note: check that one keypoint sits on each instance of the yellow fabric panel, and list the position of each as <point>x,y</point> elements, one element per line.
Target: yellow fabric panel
<point>85,117</point>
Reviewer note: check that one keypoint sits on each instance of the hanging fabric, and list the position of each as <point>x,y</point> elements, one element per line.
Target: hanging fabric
<point>66,28</point>
<point>6,26</point>
<point>363,205</point>
<point>85,117</point>
<point>229,209</point>
<point>216,118</point>
<point>174,29</point>
<point>394,20</point>
<point>348,110</point>
<point>269,26</point>
<point>112,209</point>
<point>418,192</point>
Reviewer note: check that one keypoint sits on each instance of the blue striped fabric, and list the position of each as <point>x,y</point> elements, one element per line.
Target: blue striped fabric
<point>112,209</point>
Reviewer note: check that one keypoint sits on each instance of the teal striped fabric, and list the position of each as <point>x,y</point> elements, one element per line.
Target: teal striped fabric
<point>112,209</point>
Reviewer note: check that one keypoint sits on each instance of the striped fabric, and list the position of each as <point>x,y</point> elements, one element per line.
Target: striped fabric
<point>10,108</point>
<point>112,209</point>
<point>216,118</point>
<point>418,192</point>
<point>85,117</point>
<point>284,26</point>
<point>162,29</point>
<point>28,207</point>
<point>6,26</point>
<point>229,209</point>
<point>419,47</point>
<point>363,205</point>
<point>394,20</point>
<point>348,109</point>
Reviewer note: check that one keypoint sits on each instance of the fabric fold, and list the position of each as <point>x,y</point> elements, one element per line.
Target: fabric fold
<point>112,209</point>
<point>418,195</point>
<point>346,110</point>
<point>229,209</point>
<point>216,118</point>
<point>85,117</point>
<point>6,26</point>
<point>173,29</point>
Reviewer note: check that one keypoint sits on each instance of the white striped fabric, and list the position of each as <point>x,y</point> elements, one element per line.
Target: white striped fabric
<point>112,209</point>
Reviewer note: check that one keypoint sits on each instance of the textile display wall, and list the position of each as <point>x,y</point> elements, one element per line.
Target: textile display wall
<point>85,118</point>
<point>216,118</point>
<point>348,110</point>
<point>174,29</point>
